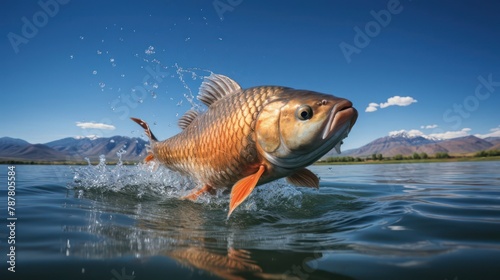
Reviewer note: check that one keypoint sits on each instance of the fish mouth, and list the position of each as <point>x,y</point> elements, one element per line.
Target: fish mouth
<point>340,121</point>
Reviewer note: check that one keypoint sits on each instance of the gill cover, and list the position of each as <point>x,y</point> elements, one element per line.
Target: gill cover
<point>291,127</point>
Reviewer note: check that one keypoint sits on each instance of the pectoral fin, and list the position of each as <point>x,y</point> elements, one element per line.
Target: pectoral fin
<point>149,157</point>
<point>194,194</point>
<point>304,178</point>
<point>242,189</point>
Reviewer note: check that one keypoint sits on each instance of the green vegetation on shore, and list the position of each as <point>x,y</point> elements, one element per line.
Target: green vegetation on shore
<point>373,159</point>
<point>414,158</point>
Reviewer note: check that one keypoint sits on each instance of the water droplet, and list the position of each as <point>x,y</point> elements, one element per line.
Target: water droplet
<point>187,39</point>
<point>155,85</point>
<point>153,94</point>
<point>111,60</point>
<point>99,52</point>
<point>71,57</point>
<point>122,75</point>
<point>220,39</point>
<point>81,37</point>
<point>102,85</point>
<point>94,72</point>
<point>141,100</point>
<point>150,50</point>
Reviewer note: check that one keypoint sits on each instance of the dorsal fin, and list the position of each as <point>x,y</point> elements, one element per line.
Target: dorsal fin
<point>215,87</point>
<point>187,119</point>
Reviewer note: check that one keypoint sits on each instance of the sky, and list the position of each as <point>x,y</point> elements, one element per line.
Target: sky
<point>79,68</point>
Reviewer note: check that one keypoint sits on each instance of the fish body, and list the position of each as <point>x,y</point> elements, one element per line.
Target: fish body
<point>249,137</point>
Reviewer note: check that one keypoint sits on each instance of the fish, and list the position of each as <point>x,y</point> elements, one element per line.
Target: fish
<point>249,137</point>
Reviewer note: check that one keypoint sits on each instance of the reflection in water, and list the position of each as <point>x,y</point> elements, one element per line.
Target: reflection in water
<point>282,232</point>
<point>224,265</point>
<point>197,235</point>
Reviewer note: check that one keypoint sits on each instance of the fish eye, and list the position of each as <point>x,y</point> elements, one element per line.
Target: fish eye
<point>304,112</point>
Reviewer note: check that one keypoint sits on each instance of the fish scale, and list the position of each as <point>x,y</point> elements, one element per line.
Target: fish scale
<point>221,139</point>
<point>253,136</point>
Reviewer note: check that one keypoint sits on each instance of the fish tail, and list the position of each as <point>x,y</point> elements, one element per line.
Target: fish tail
<point>152,139</point>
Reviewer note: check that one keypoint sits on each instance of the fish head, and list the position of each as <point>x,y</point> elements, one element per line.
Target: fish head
<point>301,126</point>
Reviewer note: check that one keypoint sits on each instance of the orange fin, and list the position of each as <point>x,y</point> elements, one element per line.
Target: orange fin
<point>242,189</point>
<point>149,157</point>
<point>304,178</point>
<point>196,193</point>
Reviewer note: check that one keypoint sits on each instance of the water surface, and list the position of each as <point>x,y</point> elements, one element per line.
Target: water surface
<point>398,221</point>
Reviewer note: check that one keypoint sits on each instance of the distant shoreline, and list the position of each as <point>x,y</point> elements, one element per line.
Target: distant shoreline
<point>31,162</point>
<point>383,161</point>
<point>392,161</point>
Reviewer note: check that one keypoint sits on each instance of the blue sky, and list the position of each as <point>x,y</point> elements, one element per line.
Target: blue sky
<point>76,68</point>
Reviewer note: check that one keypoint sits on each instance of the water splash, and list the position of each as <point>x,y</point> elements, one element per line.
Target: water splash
<point>151,181</point>
<point>141,180</point>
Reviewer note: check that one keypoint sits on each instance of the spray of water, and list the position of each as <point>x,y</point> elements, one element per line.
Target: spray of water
<point>149,181</point>
<point>140,179</point>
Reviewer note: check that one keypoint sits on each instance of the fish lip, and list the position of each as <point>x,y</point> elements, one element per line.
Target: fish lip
<point>340,114</point>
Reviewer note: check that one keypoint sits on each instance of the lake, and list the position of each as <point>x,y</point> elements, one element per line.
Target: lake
<point>380,221</point>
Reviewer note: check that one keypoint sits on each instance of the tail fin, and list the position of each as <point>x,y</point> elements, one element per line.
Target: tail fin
<point>150,135</point>
<point>147,130</point>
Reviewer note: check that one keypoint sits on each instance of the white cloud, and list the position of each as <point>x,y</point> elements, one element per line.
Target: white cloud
<point>494,132</point>
<point>398,101</point>
<point>94,125</point>
<point>372,107</point>
<point>430,126</point>
<point>451,134</point>
<point>391,101</point>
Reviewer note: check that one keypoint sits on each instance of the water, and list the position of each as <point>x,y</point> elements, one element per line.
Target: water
<point>404,221</point>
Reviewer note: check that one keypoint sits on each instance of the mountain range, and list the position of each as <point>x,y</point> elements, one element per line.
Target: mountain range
<point>134,149</point>
<point>405,144</point>
<point>73,149</point>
